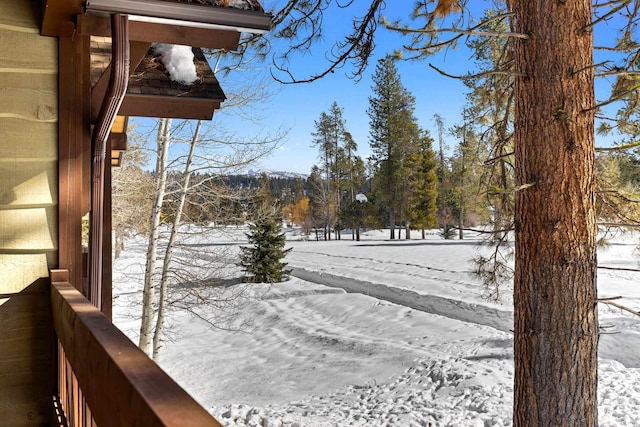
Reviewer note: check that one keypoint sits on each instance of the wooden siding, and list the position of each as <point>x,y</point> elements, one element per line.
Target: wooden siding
<point>28,213</point>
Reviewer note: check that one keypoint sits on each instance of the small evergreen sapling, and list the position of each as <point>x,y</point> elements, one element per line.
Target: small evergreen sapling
<point>263,260</point>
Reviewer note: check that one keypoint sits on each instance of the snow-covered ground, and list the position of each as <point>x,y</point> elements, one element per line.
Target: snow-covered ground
<point>373,333</point>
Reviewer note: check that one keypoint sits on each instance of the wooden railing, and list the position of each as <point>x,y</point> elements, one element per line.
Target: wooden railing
<point>104,380</point>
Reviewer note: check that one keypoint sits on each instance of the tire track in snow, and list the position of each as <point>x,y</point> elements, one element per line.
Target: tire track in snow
<point>454,309</point>
<point>386,267</point>
<point>386,262</point>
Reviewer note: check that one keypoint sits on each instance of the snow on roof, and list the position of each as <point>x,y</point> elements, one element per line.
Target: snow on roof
<point>178,61</point>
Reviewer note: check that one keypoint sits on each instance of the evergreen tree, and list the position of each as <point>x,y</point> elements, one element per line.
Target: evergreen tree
<point>491,107</point>
<point>424,184</point>
<point>491,104</point>
<point>324,139</point>
<point>352,180</point>
<point>263,260</point>
<point>320,202</point>
<point>392,129</point>
<point>337,154</point>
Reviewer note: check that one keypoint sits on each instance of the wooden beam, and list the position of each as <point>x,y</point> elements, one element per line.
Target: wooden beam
<point>174,107</point>
<point>120,124</point>
<point>137,50</point>
<point>119,141</point>
<point>121,385</point>
<point>162,33</point>
<point>116,158</point>
<point>58,17</point>
<point>74,142</point>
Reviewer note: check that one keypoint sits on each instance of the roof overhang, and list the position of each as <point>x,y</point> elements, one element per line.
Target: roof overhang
<point>184,14</point>
<point>160,21</point>
<point>151,93</point>
<point>167,106</point>
<point>91,25</point>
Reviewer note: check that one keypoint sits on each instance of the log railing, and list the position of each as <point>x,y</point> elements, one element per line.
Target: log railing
<point>104,380</point>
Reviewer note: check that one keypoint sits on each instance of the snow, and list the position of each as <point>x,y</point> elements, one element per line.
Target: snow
<point>257,173</point>
<point>373,333</point>
<point>178,60</point>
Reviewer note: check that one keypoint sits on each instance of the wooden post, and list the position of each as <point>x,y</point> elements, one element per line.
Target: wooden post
<point>74,138</point>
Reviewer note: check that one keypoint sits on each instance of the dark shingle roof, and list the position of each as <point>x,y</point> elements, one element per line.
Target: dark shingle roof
<point>151,77</point>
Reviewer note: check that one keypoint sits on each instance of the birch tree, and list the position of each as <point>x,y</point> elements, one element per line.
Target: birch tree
<point>176,274</point>
<point>168,253</point>
<point>149,285</point>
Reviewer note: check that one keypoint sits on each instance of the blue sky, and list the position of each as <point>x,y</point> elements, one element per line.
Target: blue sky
<point>297,106</point>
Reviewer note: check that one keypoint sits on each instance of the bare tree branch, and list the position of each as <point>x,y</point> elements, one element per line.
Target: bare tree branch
<point>619,147</point>
<point>621,307</point>
<point>475,76</point>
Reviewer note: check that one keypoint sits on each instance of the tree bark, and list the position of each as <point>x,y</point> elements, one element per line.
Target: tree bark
<point>119,243</point>
<point>171,243</point>
<point>556,325</point>
<point>148,292</point>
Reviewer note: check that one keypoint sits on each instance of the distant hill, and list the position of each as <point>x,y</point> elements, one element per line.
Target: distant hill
<point>286,186</point>
<point>257,173</point>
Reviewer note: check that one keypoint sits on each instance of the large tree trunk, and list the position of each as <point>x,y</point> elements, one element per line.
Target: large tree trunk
<point>556,325</point>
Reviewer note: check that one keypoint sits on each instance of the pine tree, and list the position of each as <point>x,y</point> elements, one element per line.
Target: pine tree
<point>392,129</point>
<point>263,260</point>
<point>491,106</point>
<point>424,183</point>
<point>339,165</point>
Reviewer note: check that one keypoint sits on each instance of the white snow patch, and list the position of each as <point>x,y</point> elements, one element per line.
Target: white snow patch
<point>239,4</point>
<point>178,60</point>
<point>318,355</point>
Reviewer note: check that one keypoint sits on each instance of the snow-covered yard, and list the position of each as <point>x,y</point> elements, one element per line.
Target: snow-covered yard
<point>375,333</point>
